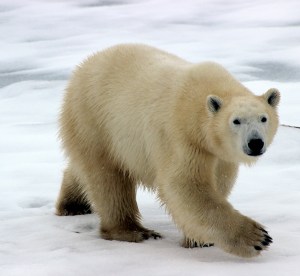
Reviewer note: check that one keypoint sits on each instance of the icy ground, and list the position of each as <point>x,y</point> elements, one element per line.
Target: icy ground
<point>41,42</point>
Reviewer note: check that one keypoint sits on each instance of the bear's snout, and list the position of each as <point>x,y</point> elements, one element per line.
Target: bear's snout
<point>255,147</point>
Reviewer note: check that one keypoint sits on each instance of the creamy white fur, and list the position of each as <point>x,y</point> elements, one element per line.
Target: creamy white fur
<point>133,113</point>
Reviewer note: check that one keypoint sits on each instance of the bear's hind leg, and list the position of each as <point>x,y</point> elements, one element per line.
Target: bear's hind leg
<point>113,193</point>
<point>72,199</point>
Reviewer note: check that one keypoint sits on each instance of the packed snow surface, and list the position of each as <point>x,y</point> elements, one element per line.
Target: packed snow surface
<point>41,42</point>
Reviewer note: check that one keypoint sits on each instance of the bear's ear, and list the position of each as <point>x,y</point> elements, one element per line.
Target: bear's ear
<point>272,97</point>
<point>214,103</point>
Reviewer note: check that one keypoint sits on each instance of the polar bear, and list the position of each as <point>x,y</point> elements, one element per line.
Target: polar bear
<point>135,114</point>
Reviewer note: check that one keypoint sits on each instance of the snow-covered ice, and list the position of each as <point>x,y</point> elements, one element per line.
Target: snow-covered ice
<point>40,43</point>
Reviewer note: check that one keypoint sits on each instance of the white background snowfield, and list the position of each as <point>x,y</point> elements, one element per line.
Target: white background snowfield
<point>40,43</point>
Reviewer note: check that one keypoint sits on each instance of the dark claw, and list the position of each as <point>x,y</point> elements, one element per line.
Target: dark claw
<point>156,236</point>
<point>268,238</point>
<point>206,245</point>
<point>262,229</point>
<point>269,241</point>
<point>257,247</point>
<point>265,243</point>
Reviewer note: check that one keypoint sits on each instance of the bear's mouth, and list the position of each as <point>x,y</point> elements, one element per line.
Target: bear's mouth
<point>252,153</point>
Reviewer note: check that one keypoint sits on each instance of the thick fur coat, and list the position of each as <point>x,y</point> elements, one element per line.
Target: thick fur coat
<point>135,114</point>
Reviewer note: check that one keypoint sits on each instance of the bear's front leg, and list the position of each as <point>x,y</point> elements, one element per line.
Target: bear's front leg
<point>191,243</point>
<point>203,215</point>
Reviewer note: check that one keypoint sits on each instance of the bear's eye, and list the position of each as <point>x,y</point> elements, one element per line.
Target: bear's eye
<point>263,119</point>
<point>236,122</point>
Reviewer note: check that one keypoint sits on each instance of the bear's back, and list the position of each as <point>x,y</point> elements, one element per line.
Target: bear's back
<point>121,100</point>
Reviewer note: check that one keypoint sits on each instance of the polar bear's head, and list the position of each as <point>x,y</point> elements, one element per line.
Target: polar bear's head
<point>243,127</point>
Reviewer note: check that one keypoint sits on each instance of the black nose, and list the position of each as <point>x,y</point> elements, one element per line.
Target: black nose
<point>256,145</point>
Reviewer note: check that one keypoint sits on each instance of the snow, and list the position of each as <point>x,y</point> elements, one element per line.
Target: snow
<point>41,42</point>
